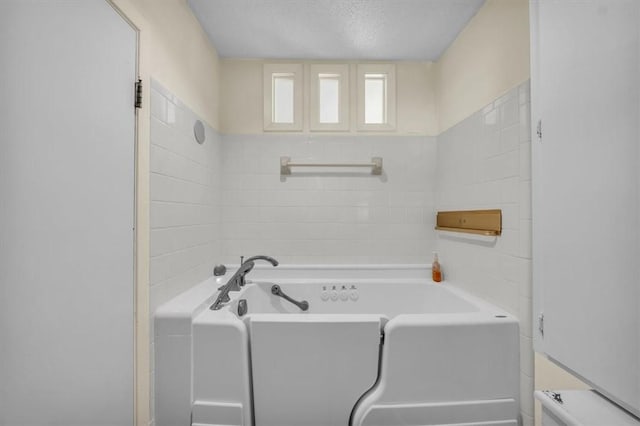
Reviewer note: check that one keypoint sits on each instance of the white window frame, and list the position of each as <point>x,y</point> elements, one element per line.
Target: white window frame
<point>342,71</point>
<point>269,70</point>
<point>390,108</point>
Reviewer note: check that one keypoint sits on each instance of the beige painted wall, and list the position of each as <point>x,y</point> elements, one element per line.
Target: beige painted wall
<point>488,58</point>
<point>175,51</point>
<point>241,95</point>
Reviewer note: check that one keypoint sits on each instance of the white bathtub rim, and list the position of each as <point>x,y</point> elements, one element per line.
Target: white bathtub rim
<point>486,312</point>
<point>176,316</point>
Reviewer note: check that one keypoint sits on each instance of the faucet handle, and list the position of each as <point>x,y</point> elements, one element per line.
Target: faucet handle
<point>225,298</point>
<point>241,260</point>
<point>219,270</point>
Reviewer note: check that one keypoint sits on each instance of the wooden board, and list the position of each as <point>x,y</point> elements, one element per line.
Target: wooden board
<point>484,222</point>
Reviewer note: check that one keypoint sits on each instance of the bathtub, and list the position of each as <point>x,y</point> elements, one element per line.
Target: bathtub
<point>378,346</point>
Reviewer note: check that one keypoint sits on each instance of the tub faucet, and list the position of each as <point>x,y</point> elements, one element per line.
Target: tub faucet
<point>231,285</point>
<point>237,281</point>
<point>241,280</point>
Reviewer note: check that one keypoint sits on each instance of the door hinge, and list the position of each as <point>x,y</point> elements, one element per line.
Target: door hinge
<point>541,324</point>
<point>539,129</point>
<point>138,87</point>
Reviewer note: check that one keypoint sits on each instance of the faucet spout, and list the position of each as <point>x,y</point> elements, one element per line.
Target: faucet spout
<point>262,257</point>
<point>271,260</point>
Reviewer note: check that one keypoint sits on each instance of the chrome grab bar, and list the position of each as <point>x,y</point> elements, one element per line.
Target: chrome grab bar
<point>286,164</point>
<point>276,290</point>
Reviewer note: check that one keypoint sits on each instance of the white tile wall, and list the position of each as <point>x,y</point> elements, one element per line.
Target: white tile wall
<point>185,191</point>
<point>325,216</point>
<point>185,185</point>
<point>485,162</point>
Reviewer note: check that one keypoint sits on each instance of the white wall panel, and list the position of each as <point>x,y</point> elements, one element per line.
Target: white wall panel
<point>67,149</point>
<point>586,190</point>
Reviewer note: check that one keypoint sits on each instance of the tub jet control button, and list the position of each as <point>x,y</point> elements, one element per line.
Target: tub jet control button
<point>334,293</point>
<point>325,294</point>
<point>353,293</point>
<point>344,294</point>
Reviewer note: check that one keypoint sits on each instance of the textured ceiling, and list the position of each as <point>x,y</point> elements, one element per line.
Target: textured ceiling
<point>334,29</point>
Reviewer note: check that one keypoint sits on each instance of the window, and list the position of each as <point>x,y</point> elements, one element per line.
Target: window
<point>283,97</point>
<point>329,110</point>
<point>329,98</point>
<point>376,97</point>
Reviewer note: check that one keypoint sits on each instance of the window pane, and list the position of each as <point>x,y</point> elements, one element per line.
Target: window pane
<point>329,98</point>
<point>283,98</point>
<point>375,88</point>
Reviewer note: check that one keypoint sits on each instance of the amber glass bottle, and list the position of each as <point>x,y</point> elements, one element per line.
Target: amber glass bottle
<point>436,273</point>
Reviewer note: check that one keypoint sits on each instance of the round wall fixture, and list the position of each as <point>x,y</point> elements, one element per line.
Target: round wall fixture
<point>198,132</point>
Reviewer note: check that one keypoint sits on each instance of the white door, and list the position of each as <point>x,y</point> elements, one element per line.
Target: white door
<point>586,190</point>
<point>67,144</point>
